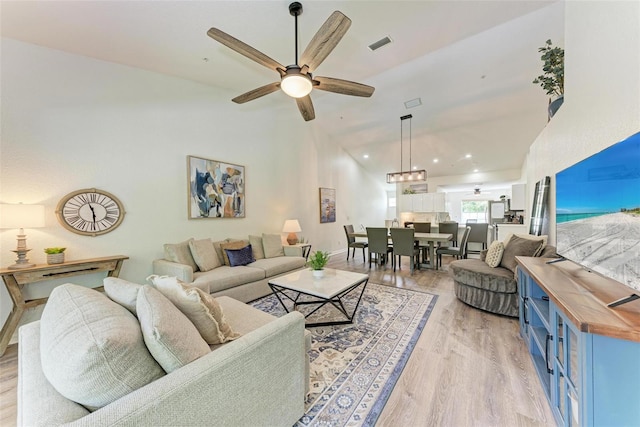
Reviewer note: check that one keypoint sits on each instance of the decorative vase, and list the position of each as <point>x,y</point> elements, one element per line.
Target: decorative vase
<point>317,273</point>
<point>554,105</point>
<point>55,258</point>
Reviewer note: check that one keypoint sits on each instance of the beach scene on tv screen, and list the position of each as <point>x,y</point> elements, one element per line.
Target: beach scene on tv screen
<point>598,212</point>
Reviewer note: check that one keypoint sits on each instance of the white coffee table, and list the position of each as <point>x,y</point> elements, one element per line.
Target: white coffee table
<point>328,289</point>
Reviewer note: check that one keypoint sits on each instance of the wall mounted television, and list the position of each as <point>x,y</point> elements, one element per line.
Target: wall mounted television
<point>598,212</point>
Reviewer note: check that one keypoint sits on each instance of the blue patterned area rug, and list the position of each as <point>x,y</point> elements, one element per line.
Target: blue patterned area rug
<point>354,367</point>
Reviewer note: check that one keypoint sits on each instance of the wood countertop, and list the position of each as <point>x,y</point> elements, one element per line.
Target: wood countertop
<point>582,295</point>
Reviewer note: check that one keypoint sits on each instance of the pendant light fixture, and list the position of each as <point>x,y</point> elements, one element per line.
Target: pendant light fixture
<point>410,175</point>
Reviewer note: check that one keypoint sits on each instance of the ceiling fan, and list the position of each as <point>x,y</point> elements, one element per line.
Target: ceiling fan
<point>297,80</point>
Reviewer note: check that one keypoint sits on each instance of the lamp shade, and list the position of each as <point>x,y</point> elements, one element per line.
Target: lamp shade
<point>21,216</point>
<point>291,226</point>
<point>295,84</point>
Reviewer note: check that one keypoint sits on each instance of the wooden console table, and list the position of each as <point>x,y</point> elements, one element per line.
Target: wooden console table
<point>14,280</point>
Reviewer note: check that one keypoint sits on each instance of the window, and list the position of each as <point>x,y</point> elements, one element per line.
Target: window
<point>391,199</point>
<point>474,210</point>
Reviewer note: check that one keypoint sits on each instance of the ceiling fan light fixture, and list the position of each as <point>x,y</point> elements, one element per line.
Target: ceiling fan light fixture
<point>295,84</point>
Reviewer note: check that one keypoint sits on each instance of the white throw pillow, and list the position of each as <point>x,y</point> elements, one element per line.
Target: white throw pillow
<point>170,337</point>
<point>180,253</point>
<point>256,246</point>
<point>123,292</point>
<point>494,254</point>
<point>204,254</point>
<point>272,244</point>
<point>201,308</point>
<point>91,348</point>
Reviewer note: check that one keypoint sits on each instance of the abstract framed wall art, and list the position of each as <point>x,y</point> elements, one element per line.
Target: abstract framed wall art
<point>327,205</point>
<point>216,189</point>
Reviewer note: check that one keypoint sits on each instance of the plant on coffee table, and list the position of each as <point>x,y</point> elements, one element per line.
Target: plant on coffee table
<point>318,260</point>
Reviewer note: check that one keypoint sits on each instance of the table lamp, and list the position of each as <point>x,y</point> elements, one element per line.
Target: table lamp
<point>291,226</point>
<point>21,216</point>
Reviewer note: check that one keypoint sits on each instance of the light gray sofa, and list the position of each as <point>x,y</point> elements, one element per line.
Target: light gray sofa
<point>492,289</point>
<point>244,283</point>
<point>259,379</point>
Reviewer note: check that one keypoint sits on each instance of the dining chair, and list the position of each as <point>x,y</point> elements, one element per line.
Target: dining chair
<point>449,227</point>
<point>459,252</point>
<point>378,244</point>
<point>423,227</point>
<point>403,240</point>
<point>478,235</point>
<point>351,243</point>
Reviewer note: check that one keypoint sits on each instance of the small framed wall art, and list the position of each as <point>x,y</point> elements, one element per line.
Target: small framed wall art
<point>327,205</point>
<point>216,189</point>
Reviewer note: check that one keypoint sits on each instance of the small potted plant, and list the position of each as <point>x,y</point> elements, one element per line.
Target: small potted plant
<point>317,261</point>
<point>552,78</point>
<point>55,255</point>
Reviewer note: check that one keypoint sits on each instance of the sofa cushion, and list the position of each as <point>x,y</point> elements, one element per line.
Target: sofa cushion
<point>123,292</point>
<point>170,337</point>
<point>256,246</point>
<point>518,246</point>
<point>239,257</point>
<point>218,249</point>
<point>272,244</point>
<point>542,238</point>
<point>201,308</point>
<point>204,254</point>
<point>91,348</point>
<point>180,253</point>
<point>279,265</point>
<point>233,244</point>
<point>494,254</point>
<point>226,277</point>
<point>477,274</point>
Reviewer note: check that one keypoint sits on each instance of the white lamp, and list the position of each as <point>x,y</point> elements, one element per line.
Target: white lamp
<point>295,84</point>
<point>21,216</point>
<point>291,226</point>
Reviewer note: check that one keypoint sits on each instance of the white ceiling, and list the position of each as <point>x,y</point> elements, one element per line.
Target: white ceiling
<point>471,63</point>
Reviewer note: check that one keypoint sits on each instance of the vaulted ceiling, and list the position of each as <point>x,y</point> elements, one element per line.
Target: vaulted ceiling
<point>470,62</point>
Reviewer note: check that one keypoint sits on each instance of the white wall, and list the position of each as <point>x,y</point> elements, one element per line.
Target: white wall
<point>71,122</point>
<point>602,90</point>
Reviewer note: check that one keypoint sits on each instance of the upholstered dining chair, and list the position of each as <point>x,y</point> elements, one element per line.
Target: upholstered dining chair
<point>352,244</point>
<point>449,227</point>
<point>423,227</point>
<point>478,235</point>
<point>378,244</point>
<point>459,252</point>
<point>404,245</point>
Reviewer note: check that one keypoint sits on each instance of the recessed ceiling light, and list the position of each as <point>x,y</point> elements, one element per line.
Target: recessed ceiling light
<point>435,160</point>
<point>468,156</point>
<point>366,156</point>
<point>412,103</point>
<point>475,170</point>
<point>415,168</point>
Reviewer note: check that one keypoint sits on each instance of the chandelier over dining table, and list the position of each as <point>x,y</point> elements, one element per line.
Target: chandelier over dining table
<point>408,175</point>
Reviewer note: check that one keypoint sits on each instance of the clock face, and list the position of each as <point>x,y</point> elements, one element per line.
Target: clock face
<point>90,212</point>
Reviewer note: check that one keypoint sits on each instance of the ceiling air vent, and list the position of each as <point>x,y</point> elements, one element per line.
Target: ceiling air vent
<point>382,42</point>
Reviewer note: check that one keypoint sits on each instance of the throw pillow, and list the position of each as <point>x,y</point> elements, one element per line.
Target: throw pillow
<point>518,246</point>
<point>494,254</point>
<point>256,246</point>
<point>170,337</point>
<point>91,348</point>
<point>204,254</point>
<point>542,238</point>
<point>272,244</point>
<point>235,244</point>
<point>180,253</point>
<point>123,292</point>
<point>238,257</point>
<point>199,307</point>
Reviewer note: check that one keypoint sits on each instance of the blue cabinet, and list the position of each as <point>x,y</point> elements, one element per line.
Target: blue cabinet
<point>590,378</point>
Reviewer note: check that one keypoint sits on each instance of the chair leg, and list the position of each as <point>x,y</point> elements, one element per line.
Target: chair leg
<point>363,253</point>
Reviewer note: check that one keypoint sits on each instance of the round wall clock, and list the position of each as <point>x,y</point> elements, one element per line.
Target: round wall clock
<point>90,212</point>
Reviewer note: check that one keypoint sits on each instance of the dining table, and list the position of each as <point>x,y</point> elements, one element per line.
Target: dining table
<point>427,239</point>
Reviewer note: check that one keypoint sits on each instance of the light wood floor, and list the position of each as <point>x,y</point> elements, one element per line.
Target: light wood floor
<point>469,367</point>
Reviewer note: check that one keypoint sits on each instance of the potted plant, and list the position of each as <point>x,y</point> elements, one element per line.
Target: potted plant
<point>55,255</point>
<point>552,78</point>
<point>317,261</point>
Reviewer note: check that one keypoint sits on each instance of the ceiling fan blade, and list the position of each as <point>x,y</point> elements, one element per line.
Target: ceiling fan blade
<point>244,49</point>
<point>325,40</point>
<point>306,108</point>
<point>257,93</point>
<point>344,87</point>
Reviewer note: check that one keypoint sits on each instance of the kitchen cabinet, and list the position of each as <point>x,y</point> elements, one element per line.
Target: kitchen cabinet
<point>518,197</point>
<point>422,202</point>
<point>585,353</point>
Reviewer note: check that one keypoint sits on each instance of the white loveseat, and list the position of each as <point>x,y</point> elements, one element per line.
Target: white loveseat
<point>257,379</point>
<point>245,283</point>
